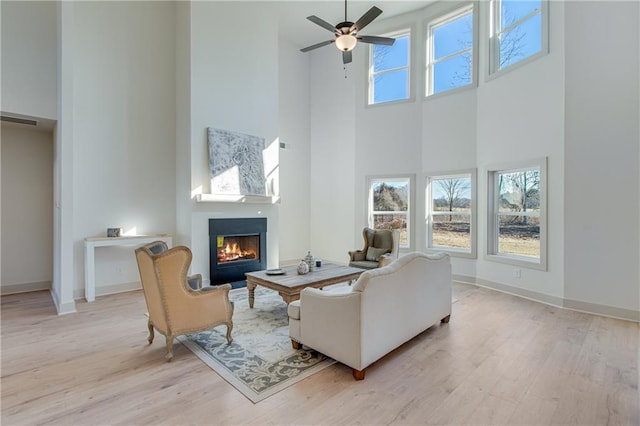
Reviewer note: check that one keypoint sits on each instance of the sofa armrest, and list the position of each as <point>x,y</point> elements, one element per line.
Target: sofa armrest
<point>357,255</point>
<point>330,324</point>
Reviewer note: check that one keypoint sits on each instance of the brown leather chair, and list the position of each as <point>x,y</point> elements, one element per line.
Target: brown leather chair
<point>175,308</point>
<point>380,248</point>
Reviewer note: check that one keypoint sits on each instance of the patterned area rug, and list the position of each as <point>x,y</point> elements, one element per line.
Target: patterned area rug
<point>260,361</point>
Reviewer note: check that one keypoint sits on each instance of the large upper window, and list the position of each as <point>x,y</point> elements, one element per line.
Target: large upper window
<point>518,31</point>
<point>517,215</point>
<point>450,41</point>
<point>389,70</point>
<point>389,202</point>
<point>451,213</point>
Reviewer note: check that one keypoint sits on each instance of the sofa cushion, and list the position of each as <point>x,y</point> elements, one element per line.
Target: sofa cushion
<point>293,310</point>
<point>365,264</point>
<point>373,254</point>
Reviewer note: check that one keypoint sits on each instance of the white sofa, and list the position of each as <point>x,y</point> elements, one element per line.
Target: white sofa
<point>384,308</point>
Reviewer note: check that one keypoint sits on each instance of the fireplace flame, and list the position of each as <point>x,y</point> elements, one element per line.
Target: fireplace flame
<point>232,251</point>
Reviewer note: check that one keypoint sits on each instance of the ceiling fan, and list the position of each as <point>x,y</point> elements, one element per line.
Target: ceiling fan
<point>346,33</point>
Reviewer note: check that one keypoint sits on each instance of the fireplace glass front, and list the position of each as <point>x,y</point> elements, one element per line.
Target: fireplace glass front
<point>238,248</point>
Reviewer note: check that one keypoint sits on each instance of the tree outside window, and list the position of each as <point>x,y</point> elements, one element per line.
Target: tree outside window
<point>517,215</point>
<point>389,70</point>
<point>389,201</point>
<point>450,41</point>
<point>519,29</point>
<point>450,213</point>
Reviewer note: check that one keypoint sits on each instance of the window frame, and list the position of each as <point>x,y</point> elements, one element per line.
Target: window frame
<point>410,179</point>
<point>371,74</point>
<point>493,215</point>
<point>455,252</point>
<point>444,19</point>
<point>494,48</point>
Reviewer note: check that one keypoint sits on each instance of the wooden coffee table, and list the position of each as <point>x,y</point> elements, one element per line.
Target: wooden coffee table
<point>290,284</point>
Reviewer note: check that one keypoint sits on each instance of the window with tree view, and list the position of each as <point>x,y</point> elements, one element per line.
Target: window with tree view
<point>517,226</point>
<point>450,216</point>
<point>389,70</point>
<point>519,30</point>
<point>450,52</point>
<point>389,201</point>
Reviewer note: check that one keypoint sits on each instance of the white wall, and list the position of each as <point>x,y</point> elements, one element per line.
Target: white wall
<point>62,287</point>
<point>183,124</point>
<point>135,76</point>
<point>295,160</point>
<point>601,150</point>
<point>27,198</point>
<point>123,128</point>
<point>520,116</point>
<point>234,86</point>
<point>333,156</point>
<point>29,58</point>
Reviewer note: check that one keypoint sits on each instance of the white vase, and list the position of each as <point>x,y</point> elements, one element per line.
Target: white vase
<point>310,260</point>
<point>303,268</point>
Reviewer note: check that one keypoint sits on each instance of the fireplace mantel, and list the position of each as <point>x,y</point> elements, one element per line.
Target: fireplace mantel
<point>229,198</point>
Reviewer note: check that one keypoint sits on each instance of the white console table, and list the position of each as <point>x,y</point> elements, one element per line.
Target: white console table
<point>90,245</point>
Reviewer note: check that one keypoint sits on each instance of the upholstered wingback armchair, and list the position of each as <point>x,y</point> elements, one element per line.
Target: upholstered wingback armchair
<point>380,248</point>
<point>175,308</point>
<point>157,247</point>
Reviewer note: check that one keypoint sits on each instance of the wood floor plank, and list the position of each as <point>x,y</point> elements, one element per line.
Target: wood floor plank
<point>501,360</point>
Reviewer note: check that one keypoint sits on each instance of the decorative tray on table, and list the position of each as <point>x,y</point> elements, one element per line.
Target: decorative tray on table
<point>278,271</point>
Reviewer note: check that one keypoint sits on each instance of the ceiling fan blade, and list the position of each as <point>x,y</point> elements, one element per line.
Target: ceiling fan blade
<point>377,40</point>
<point>366,19</point>
<point>315,46</point>
<point>346,57</point>
<point>322,23</point>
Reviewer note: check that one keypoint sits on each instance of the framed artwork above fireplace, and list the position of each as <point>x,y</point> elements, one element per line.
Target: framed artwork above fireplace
<point>236,163</point>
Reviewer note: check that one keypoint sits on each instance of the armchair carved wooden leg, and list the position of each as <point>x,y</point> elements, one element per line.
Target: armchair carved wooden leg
<point>150,338</point>
<point>446,319</point>
<point>295,345</point>
<point>229,328</point>
<point>169,355</point>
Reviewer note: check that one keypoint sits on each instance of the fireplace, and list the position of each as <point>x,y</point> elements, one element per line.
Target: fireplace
<point>236,246</point>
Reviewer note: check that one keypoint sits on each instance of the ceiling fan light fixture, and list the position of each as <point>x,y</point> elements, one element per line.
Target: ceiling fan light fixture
<point>346,42</point>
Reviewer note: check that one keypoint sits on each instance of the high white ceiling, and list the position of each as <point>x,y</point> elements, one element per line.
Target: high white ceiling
<point>295,26</point>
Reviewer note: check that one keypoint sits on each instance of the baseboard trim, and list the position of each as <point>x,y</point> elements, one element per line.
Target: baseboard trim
<point>521,292</point>
<point>290,262</point>
<point>24,287</point>
<point>105,290</point>
<point>604,310</point>
<point>62,308</point>
<point>464,279</point>
<point>558,302</point>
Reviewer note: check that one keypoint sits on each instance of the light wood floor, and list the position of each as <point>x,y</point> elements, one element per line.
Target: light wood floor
<point>501,360</point>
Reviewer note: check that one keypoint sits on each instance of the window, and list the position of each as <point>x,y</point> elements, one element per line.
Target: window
<point>451,213</point>
<point>389,70</point>
<point>517,215</point>
<point>518,31</point>
<point>389,203</point>
<point>450,46</point>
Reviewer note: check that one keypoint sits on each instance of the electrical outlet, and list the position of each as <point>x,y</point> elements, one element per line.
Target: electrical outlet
<point>517,273</point>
